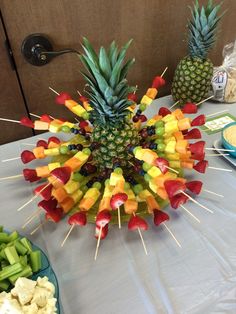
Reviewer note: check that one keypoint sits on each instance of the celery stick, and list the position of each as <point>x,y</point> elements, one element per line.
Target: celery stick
<point>13,236</point>
<point>35,261</point>
<point>4,237</point>
<point>4,263</point>
<point>26,272</point>
<point>21,249</point>
<point>10,270</point>
<point>26,244</point>
<point>24,260</point>
<point>2,254</point>
<point>11,255</point>
<point>4,285</point>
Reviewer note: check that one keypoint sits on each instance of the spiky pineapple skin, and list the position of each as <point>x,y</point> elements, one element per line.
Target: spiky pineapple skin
<point>192,80</point>
<point>113,143</point>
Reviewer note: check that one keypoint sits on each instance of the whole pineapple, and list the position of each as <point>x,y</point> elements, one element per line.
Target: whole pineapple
<point>192,79</point>
<point>108,90</point>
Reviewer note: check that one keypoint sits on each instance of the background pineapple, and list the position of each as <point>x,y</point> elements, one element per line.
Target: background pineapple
<point>193,74</point>
<point>107,91</point>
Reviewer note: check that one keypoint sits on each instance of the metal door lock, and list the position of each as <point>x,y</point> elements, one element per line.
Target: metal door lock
<point>38,50</point>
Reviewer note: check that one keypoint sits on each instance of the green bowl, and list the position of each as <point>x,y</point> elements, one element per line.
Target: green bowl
<point>225,143</point>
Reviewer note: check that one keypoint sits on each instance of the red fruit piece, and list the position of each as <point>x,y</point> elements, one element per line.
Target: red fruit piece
<point>189,108</point>
<point>103,218</point>
<point>83,124</point>
<point>174,187</point>
<point>45,118</point>
<point>136,222</point>
<point>193,134</point>
<point>201,166</point>
<point>159,217</point>
<point>162,164</point>
<point>164,111</point>
<point>30,175</point>
<point>61,98</point>
<point>197,148</point>
<point>62,174</point>
<point>48,205</point>
<point>79,219</point>
<point>200,120</point>
<point>42,143</point>
<point>142,118</point>
<point>55,215</point>
<point>198,156</point>
<point>103,234</point>
<point>132,97</point>
<point>83,99</point>
<point>177,200</point>
<point>27,122</point>
<point>27,156</point>
<point>117,200</point>
<point>135,118</point>
<point>194,186</point>
<point>158,82</point>
<point>46,193</point>
<point>54,139</point>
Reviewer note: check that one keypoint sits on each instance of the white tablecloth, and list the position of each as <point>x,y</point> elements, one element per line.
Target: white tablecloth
<point>198,278</point>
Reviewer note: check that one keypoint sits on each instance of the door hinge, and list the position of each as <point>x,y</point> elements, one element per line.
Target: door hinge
<point>10,55</point>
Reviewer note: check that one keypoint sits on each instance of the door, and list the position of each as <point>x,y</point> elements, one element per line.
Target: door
<point>12,104</point>
<point>158,28</point>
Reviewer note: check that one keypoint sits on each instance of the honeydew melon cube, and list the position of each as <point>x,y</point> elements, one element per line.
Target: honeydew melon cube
<point>71,186</point>
<point>76,196</point>
<point>139,153</point>
<point>153,186</point>
<point>171,127</point>
<point>81,156</point>
<point>115,178</point>
<point>146,100</point>
<point>54,127</point>
<point>92,193</point>
<point>53,165</point>
<point>52,151</point>
<point>69,124</point>
<point>168,118</point>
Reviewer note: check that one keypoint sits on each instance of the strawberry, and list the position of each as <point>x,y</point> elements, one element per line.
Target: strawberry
<point>61,98</point>
<point>189,108</point>
<point>103,218</point>
<point>79,219</point>
<point>157,82</point>
<point>193,134</point>
<point>164,111</point>
<point>201,166</point>
<point>42,143</point>
<point>83,124</point>
<point>46,193</point>
<point>133,97</point>
<point>136,222</point>
<point>162,164</point>
<point>194,186</point>
<point>45,118</point>
<point>198,156</point>
<point>62,174</point>
<point>159,217</point>
<point>54,139</point>
<point>30,175</point>
<point>55,215</point>
<point>83,99</point>
<point>142,118</point>
<point>178,200</point>
<point>174,187</point>
<point>117,200</point>
<point>200,120</point>
<point>104,232</point>
<point>48,205</point>
<point>27,122</point>
<point>197,148</point>
<point>27,156</point>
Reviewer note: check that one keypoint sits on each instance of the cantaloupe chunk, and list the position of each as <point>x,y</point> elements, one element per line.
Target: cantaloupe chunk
<point>105,204</point>
<point>43,171</point>
<point>184,124</point>
<point>73,163</point>
<point>152,203</point>
<point>86,203</point>
<point>181,146</point>
<point>130,206</point>
<point>152,93</point>
<point>59,194</point>
<point>41,125</point>
<point>67,204</point>
<point>39,152</point>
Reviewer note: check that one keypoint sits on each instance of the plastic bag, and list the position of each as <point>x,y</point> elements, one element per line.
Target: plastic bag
<point>224,77</point>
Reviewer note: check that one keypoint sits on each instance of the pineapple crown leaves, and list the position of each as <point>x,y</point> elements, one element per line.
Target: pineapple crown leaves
<point>106,80</point>
<point>202,28</point>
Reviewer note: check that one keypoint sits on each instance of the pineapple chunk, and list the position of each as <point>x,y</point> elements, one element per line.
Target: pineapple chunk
<point>146,100</point>
<point>170,147</point>
<point>168,118</point>
<point>81,156</point>
<point>78,110</point>
<point>171,126</point>
<point>115,178</point>
<point>53,165</point>
<point>154,172</point>
<point>144,194</point>
<point>76,196</point>
<point>69,124</point>
<point>175,164</point>
<point>54,126</point>
<point>71,186</point>
<point>51,151</point>
<point>92,193</point>
<point>151,122</point>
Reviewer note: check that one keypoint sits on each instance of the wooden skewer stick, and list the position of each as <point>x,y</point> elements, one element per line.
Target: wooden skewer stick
<point>164,71</point>
<point>38,227</point>
<point>11,177</point>
<point>136,88</point>
<point>34,115</point>
<point>143,243</point>
<point>119,221</point>
<point>9,120</point>
<point>10,159</point>
<point>194,217</point>
<point>196,202</point>
<point>67,235</point>
<point>212,155</point>
<point>28,144</point>
<point>176,103</point>
<point>34,197</point>
<point>220,169</point>
<point>214,193</point>
<point>213,114</point>
<point>220,149</point>
<point>79,92</point>
<point>98,243</point>
<point>172,169</point>
<point>199,103</point>
<point>173,236</point>
<point>53,90</point>
<point>31,217</point>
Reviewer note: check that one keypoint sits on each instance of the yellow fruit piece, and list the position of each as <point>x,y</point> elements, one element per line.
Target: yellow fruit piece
<point>71,186</point>
<point>105,204</point>
<point>130,206</point>
<point>81,156</point>
<point>130,194</point>
<point>149,156</point>
<point>144,194</point>
<point>108,191</point>
<point>171,126</point>
<point>168,118</point>
<point>170,147</point>
<point>178,114</point>
<point>151,122</point>
<point>153,186</point>
<point>54,126</point>
<point>70,103</point>
<point>139,153</point>
<point>152,93</point>
<point>169,139</point>
<point>53,165</point>
<point>87,106</point>
<point>174,156</point>
<point>146,100</point>
<point>86,203</point>
<point>115,178</point>
<point>52,152</point>
<point>154,172</point>
<point>174,164</point>
<point>69,124</point>
<point>78,110</point>
<point>41,125</point>
<point>92,193</point>
<point>76,196</point>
